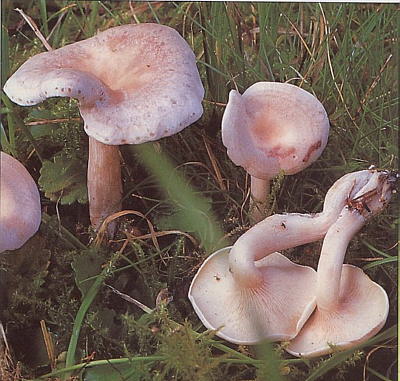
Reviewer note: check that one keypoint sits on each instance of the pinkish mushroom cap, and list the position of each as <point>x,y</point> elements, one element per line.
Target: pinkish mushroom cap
<point>20,212</point>
<point>361,313</point>
<point>250,292</point>
<point>351,308</point>
<point>275,310</point>
<point>272,127</point>
<point>134,83</point>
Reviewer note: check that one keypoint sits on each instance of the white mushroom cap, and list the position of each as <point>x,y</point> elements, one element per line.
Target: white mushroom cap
<point>134,83</point>
<point>272,127</point>
<point>20,212</point>
<point>362,312</point>
<point>275,310</point>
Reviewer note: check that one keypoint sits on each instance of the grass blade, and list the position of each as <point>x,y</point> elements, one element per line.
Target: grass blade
<point>85,305</point>
<point>195,209</point>
<point>43,16</point>
<point>380,262</point>
<point>5,61</point>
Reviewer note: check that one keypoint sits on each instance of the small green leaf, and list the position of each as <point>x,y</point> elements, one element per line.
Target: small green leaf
<point>116,372</point>
<point>41,130</point>
<point>85,266</point>
<point>64,180</point>
<point>39,114</point>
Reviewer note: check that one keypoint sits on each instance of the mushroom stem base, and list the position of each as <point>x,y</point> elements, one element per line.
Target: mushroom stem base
<point>103,182</point>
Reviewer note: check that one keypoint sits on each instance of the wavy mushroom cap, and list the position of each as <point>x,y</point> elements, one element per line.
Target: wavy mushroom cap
<point>272,127</point>
<point>275,310</point>
<point>360,314</point>
<point>20,212</point>
<point>134,83</point>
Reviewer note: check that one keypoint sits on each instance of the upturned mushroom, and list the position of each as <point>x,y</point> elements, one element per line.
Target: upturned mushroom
<point>20,211</point>
<point>351,308</point>
<point>250,292</point>
<point>273,127</point>
<point>134,83</point>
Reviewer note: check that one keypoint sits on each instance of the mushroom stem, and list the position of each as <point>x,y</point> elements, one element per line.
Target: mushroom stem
<point>103,182</point>
<point>370,200</point>
<point>283,231</point>
<point>259,197</point>
<point>275,233</point>
<point>332,256</point>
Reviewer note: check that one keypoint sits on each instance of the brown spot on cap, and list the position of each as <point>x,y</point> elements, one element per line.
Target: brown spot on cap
<point>281,152</point>
<point>313,148</point>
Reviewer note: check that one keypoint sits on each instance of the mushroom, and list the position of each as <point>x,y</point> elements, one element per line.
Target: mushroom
<point>250,292</point>
<point>134,83</point>
<point>20,212</point>
<point>273,127</point>
<point>351,308</point>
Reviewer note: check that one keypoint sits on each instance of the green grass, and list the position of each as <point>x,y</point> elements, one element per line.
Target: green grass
<point>345,54</point>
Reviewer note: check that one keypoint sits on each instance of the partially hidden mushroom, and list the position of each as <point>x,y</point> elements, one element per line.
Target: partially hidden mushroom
<point>271,128</point>
<point>134,83</point>
<point>20,211</point>
<point>250,292</point>
<point>351,308</point>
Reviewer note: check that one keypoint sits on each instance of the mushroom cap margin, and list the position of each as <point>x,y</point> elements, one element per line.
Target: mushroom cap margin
<point>362,311</point>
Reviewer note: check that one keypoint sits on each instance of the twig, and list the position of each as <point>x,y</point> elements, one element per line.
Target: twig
<point>49,344</point>
<point>368,259</point>
<point>368,356</point>
<point>215,166</point>
<point>34,27</point>
<point>64,12</point>
<point>374,83</point>
<point>103,228</point>
<point>3,338</point>
<point>215,103</point>
<point>129,299</point>
<point>47,121</point>
<point>161,234</point>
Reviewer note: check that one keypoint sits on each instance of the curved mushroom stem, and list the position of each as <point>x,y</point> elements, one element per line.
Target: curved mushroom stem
<point>283,231</point>
<point>370,200</point>
<point>259,197</point>
<point>103,182</point>
<point>332,256</point>
<point>275,233</point>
